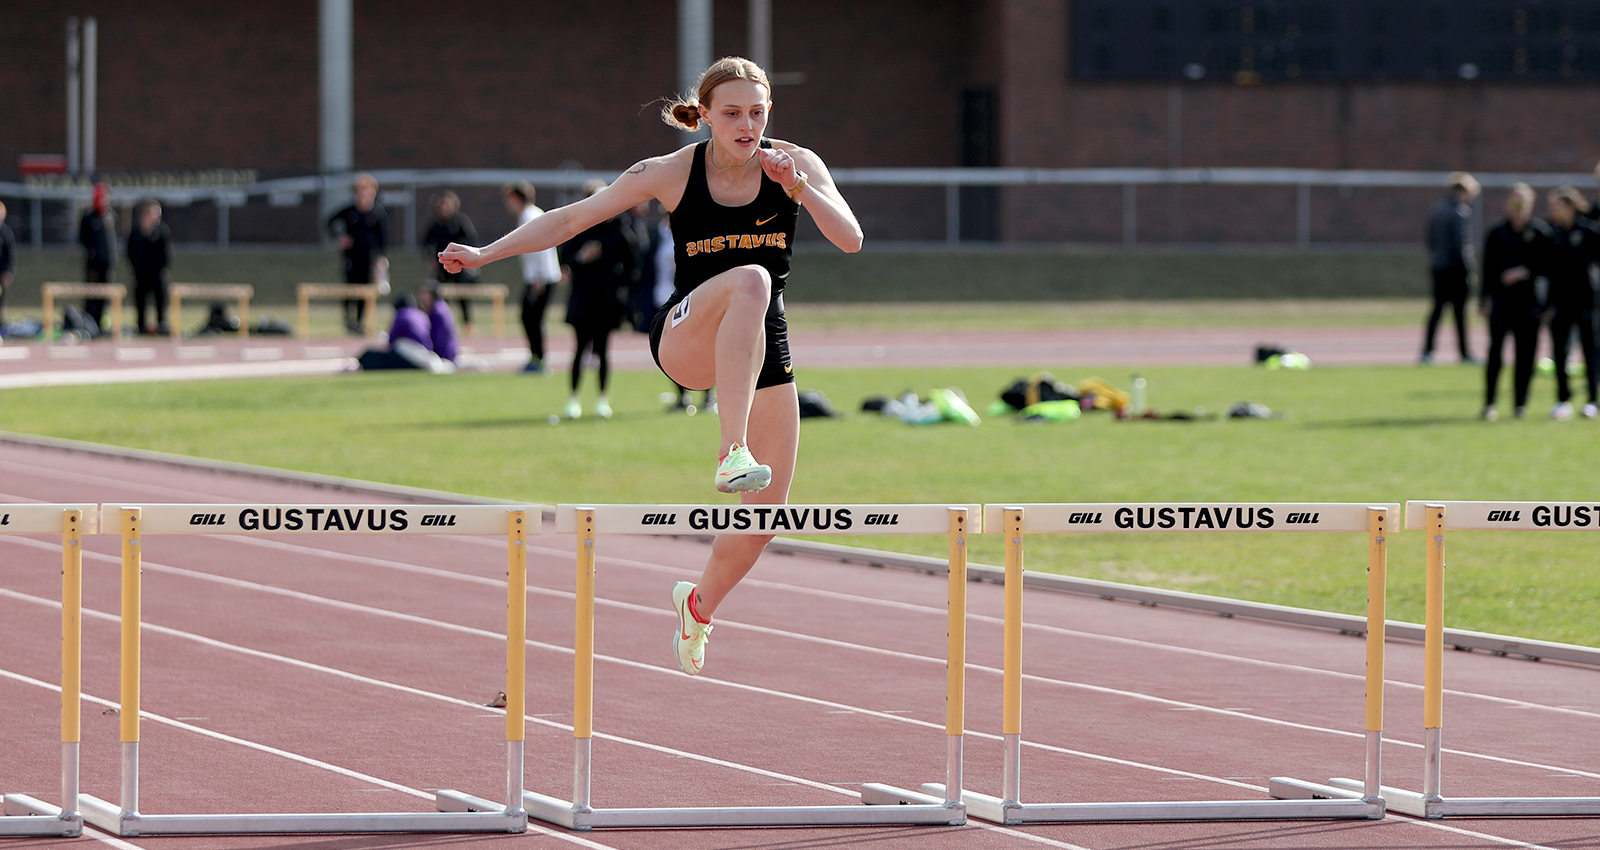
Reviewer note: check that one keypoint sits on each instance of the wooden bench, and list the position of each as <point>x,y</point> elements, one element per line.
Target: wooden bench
<point>115,292</point>
<point>492,292</point>
<point>367,292</point>
<point>176,292</point>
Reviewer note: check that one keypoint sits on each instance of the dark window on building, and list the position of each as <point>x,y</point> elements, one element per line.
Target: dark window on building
<point>1265,40</point>
<point>980,148</point>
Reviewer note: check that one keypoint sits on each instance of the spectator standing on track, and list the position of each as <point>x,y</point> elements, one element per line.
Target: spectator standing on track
<point>1450,260</point>
<point>541,270</point>
<point>97,233</point>
<point>450,224</point>
<point>362,231</point>
<point>8,260</point>
<point>150,254</point>
<point>724,325</point>
<point>1574,246</point>
<point>602,260</point>
<point>1514,253</point>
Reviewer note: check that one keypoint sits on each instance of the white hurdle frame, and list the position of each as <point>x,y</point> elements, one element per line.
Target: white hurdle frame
<point>24,813</point>
<point>588,521</point>
<point>1436,518</point>
<point>1016,520</point>
<point>135,522</point>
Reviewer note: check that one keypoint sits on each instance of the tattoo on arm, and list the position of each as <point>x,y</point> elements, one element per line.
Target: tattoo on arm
<point>638,168</point>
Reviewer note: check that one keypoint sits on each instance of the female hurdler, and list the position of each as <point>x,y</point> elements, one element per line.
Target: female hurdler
<point>734,201</point>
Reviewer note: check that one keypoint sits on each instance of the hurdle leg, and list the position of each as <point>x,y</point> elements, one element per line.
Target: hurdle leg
<point>132,603</point>
<point>1433,652</point>
<point>71,661</point>
<point>583,670</point>
<point>116,316</point>
<point>302,300</point>
<point>175,316</point>
<point>244,317</point>
<point>1011,711</point>
<point>1377,593</point>
<point>956,659</point>
<point>499,299</point>
<point>48,305</point>
<point>516,658</point>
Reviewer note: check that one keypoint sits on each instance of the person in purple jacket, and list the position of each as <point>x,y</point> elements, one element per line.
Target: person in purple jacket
<point>410,341</point>
<point>442,324</point>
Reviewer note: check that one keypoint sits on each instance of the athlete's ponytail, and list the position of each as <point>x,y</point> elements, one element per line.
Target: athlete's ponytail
<point>684,113</point>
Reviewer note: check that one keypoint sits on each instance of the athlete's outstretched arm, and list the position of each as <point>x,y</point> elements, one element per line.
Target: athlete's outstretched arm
<point>821,197</point>
<point>639,184</point>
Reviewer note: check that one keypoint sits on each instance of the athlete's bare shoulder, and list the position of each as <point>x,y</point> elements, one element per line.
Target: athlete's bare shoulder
<point>664,176</point>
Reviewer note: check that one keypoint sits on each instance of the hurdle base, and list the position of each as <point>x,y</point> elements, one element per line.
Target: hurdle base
<point>112,819</point>
<point>1414,804</point>
<point>28,815</point>
<point>926,811</point>
<point>1010,813</point>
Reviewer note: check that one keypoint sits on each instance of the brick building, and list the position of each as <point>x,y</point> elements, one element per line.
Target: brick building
<point>185,84</point>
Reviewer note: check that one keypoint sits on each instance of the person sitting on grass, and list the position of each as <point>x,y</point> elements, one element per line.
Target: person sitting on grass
<point>410,342</point>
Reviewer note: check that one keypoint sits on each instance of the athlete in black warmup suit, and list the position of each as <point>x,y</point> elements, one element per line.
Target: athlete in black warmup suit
<point>1574,246</point>
<point>734,202</point>
<point>1514,254</point>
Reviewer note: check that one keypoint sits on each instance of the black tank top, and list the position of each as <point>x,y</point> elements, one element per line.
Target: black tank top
<point>710,238</point>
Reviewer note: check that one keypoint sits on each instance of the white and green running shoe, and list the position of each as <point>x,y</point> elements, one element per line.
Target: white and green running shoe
<point>739,472</point>
<point>689,641</point>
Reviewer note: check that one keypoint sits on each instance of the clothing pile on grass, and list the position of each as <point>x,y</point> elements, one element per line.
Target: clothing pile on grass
<point>1043,398</point>
<point>946,404</point>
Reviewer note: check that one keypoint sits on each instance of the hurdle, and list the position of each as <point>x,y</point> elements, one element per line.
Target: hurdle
<point>1436,518</point>
<point>176,292</point>
<point>494,293</point>
<point>115,292</point>
<point>72,522</point>
<point>125,819</point>
<point>587,522</point>
<point>1014,521</point>
<point>368,292</point>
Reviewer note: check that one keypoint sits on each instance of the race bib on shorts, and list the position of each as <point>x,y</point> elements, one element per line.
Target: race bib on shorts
<point>680,312</point>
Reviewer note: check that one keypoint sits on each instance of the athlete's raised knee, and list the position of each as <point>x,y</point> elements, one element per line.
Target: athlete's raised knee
<point>753,282</point>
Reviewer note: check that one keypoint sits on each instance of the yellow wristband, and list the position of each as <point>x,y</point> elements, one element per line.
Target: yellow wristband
<point>794,194</point>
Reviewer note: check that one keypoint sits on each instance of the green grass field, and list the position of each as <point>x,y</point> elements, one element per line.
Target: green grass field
<point>1347,434</point>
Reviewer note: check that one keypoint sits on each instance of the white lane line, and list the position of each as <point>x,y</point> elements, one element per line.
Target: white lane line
<point>344,674</point>
<point>281,753</point>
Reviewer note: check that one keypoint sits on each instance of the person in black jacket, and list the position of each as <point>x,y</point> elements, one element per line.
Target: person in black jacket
<point>97,233</point>
<point>1450,261</point>
<point>602,260</point>
<point>1574,246</point>
<point>362,231</point>
<point>150,254</point>
<point>1514,254</point>
<point>450,224</point>
<point>8,260</point>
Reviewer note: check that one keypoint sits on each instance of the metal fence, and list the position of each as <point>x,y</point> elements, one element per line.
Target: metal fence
<point>1008,207</point>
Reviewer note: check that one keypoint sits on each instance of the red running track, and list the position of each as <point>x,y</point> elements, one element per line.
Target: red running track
<point>311,674</point>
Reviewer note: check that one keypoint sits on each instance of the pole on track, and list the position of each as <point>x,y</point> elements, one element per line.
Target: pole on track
<point>131,604</point>
<point>71,658</point>
<point>1011,712</point>
<point>516,656</point>
<point>956,659</point>
<point>583,664</point>
<point>1377,581</point>
<point>1433,653</point>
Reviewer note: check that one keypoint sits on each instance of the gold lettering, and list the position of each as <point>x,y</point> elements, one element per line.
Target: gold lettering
<point>745,242</point>
<point>782,238</point>
<point>718,244</point>
<point>690,249</point>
